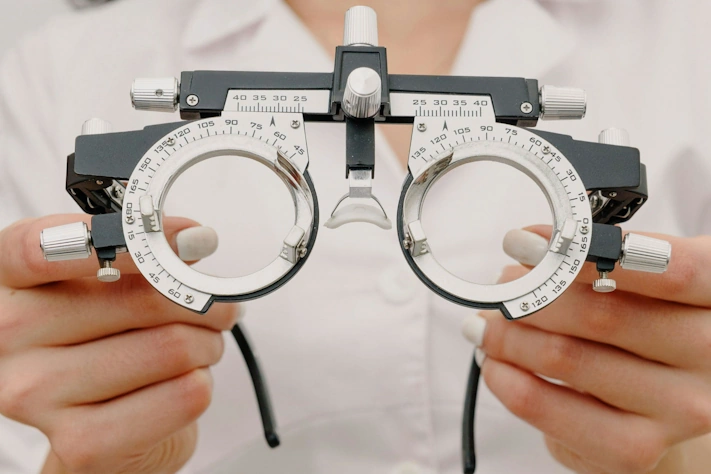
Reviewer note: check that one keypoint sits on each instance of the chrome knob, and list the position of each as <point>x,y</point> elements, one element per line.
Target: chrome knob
<point>96,126</point>
<point>562,103</point>
<point>108,274</point>
<point>645,254</point>
<point>66,242</point>
<point>361,98</point>
<point>361,27</point>
<point>155,94</point>
<point>604,284</point>
<point>614,136</point>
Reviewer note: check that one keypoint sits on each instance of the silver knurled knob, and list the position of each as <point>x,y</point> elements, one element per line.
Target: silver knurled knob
<point>604,284</point>
<point>645,254</point>
<point>155,94</point>
<point>108,274</point>
<point>66,242</point>
<point>361,98</point>
<point>361,27</point>
<point>96,126</point>
<point>562,103</point>
<point>614,136</point>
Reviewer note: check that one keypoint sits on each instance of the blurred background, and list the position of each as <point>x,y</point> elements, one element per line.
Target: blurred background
<point>20,17</point>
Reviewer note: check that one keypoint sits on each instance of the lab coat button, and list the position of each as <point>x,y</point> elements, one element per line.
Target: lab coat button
<point>397,285</point>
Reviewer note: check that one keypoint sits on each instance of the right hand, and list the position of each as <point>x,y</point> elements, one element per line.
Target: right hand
<point>115,375</point>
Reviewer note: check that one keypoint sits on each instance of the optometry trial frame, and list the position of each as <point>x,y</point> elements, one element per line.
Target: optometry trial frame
<point>123,178</point>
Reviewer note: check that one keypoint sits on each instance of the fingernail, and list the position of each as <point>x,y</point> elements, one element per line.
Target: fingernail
<point>196,243</point>
<point>499,276</point>
<point>473,329</point>
<point>479,356</point>
<point>524,246</point>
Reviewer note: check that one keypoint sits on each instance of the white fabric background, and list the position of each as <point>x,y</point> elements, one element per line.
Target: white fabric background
<point>19,16</point>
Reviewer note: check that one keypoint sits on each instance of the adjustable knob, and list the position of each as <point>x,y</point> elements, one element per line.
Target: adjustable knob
<point>96,126</point>
<point>614,136</point>
<point>361,98</point>
<point>108,274</point>
<point>155,94</point>
<point>604,284</point>
<point>645,254</point>
<point>361,27</point>
<point>562,103</point>
<point>66,242</point>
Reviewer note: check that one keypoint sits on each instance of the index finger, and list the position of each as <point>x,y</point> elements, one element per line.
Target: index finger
<point>687,280</point>
<point>22,264</point>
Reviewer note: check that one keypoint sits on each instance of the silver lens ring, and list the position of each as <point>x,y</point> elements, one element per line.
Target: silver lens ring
<point>569,245</point>
<point>170,275</point>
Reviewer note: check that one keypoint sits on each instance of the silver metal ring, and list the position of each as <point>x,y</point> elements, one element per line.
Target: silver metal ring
<point>152,252</point>
<point>568,248</point>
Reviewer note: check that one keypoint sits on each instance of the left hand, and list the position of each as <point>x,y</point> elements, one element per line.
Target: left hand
<point>635,364</point>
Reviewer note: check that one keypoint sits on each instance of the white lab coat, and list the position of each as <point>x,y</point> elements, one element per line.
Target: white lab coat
<point>366,366</point>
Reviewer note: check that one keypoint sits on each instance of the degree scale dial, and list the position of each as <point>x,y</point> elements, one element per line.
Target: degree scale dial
<point>275,140</point>
<point>440,144</point>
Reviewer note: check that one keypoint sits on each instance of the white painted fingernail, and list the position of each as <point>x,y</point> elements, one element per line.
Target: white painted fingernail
<point>196,243</point>
<point>473,329</point>
<point>524,246</point>
<point>479,356</point>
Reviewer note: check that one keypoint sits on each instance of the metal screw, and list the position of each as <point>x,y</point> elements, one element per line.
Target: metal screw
<point>159,92</point>
<point>99,182</point>
<point>526,108</point>
<point>525,306</point>
<point>117,192</point>
<point>612,194</point>
<point>295,124</point>
<point>171,141</point>
<point>192,100</point>
<point>189,299</point>
<point>546,149</point>
<point>302,251</point>
<point>407,242</point>
<point>595,201</point>
<point>421,127</point>
<point>130,220</point>
<point>584,229</point>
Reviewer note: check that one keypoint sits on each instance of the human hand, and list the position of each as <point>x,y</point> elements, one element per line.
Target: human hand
<point>635,364</point>
<point>115,375</point>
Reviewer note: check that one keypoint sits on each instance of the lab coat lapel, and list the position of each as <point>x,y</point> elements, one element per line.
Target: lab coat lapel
<point>541,41</point>
<point>535,41</point>
<point>276,39</point>
<point>213,20</point>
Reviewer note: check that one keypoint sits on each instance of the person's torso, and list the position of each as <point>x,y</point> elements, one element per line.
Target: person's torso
<point>366,366</point>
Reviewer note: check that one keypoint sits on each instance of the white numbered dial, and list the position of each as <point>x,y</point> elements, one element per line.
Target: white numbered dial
<point>315,101</point>
<point>413,104</point>
<point>276,140</point>
<point>441,144</point>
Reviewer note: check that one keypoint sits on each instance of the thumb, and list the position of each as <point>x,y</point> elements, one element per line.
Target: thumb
<point>26,267</point>
<point>527,246</point>
<point>190,241</point>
